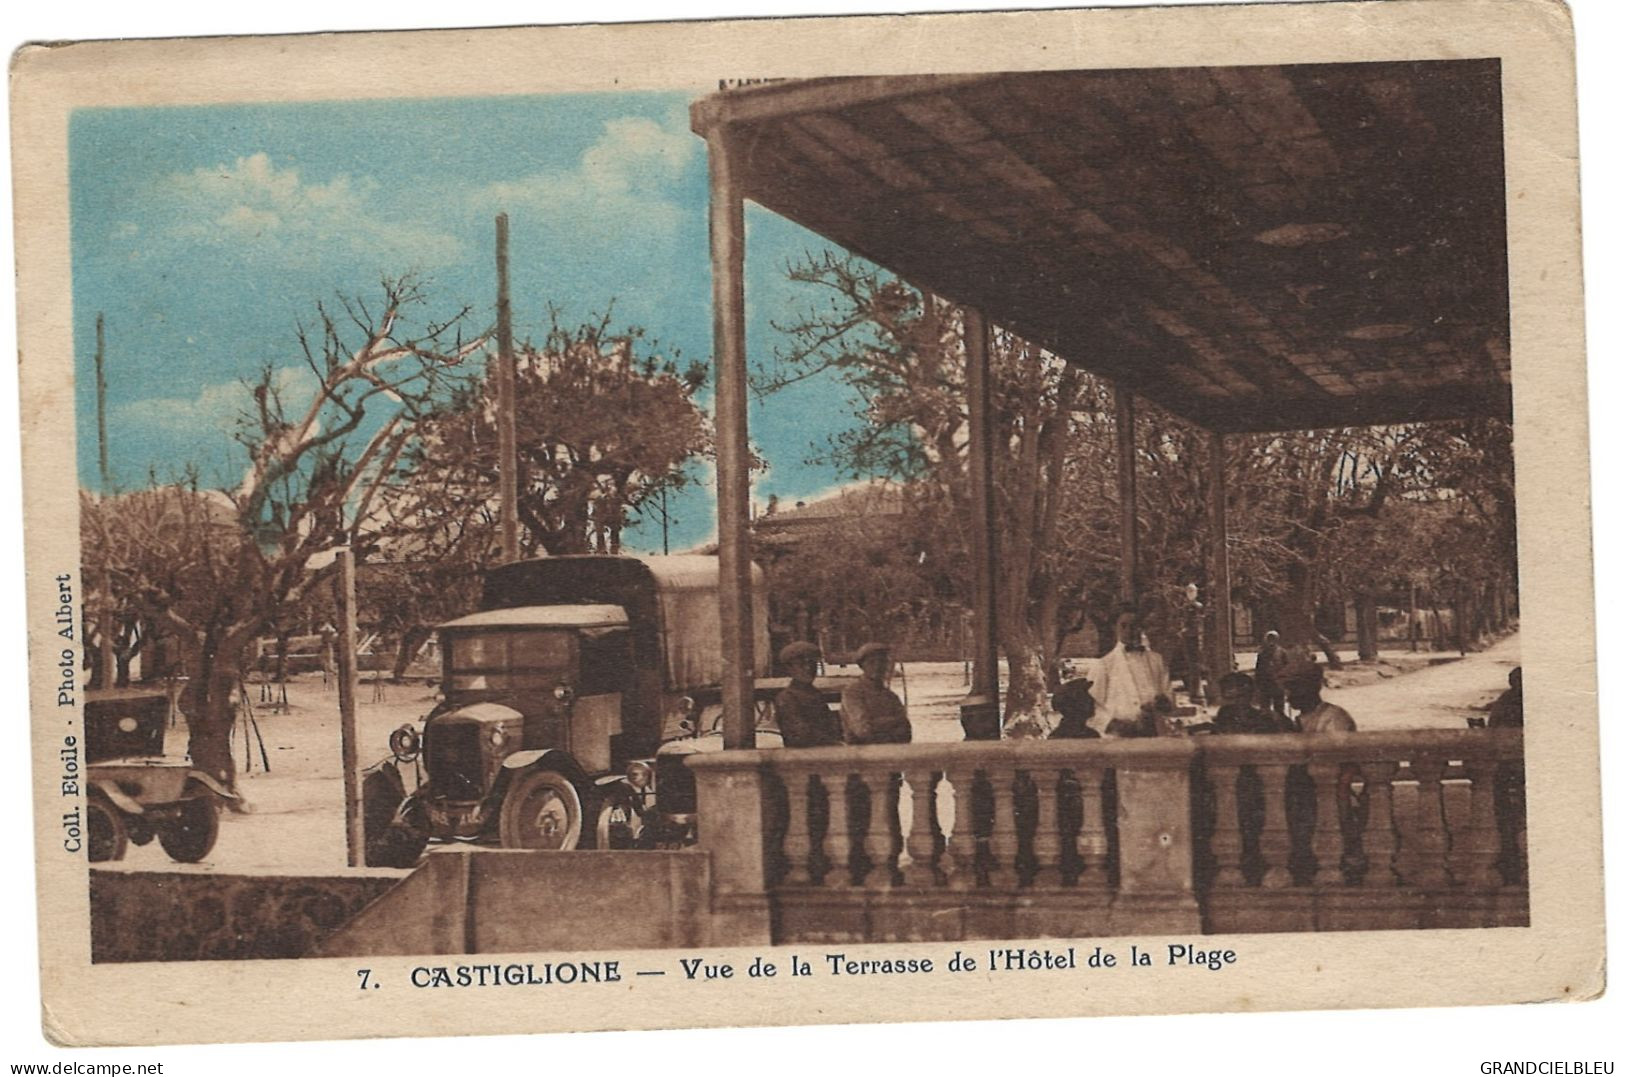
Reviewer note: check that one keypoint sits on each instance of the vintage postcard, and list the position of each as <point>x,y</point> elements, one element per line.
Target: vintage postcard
<point>807,521</point>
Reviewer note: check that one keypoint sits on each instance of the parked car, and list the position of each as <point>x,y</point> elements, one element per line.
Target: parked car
<point>135,793</point>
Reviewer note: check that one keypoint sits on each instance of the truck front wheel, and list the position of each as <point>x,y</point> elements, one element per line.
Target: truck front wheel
<point>541,811</point>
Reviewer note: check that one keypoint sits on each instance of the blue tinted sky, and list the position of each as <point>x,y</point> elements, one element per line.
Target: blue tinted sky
<point>204,234</point>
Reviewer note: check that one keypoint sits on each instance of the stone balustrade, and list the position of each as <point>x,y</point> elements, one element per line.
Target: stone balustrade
<point>1079,838</point>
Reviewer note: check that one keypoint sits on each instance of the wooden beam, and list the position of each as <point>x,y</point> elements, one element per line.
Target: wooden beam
<point>1127,496</point>
<point>733,440</point>
<point>1224,646</point>
<point>984,693</point>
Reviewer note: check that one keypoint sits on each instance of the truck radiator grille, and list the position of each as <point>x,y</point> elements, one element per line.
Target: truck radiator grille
<point>454,760</point>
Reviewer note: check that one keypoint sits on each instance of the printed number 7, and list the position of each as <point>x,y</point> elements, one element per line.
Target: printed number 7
<point>363,973</point>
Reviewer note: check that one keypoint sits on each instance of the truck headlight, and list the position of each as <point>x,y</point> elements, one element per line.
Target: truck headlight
<point>404,743</point>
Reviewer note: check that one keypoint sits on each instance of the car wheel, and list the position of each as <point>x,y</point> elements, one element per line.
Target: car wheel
<point>190,835</point>
<point>541,811</point>
<point>108,838</point>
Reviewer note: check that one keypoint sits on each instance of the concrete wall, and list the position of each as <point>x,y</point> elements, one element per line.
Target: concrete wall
<point>176,916</point>
<point>511,901</point>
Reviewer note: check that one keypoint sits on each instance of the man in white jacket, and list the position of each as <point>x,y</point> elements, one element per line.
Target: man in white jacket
<point>1132,689</point>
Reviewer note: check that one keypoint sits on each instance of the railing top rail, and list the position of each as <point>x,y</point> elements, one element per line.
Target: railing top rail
<point>1150,752</point>
<point>1147,753</point>
<point>1393,745</point>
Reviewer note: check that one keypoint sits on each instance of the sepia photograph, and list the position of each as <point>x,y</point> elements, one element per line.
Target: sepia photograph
<point>888,522</point>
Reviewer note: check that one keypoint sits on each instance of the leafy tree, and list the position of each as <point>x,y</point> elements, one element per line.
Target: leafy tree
<point>902,355</point>
<point>601,431</point>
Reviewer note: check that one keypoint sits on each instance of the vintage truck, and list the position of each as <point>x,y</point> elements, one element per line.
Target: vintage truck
<point>568,703</point>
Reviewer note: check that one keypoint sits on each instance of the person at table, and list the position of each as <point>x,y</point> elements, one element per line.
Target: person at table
<point>1507,711</point>
<point>1303,683</point>
<point>1237,714</point>
<point>1076,706</point>
<point>1133,690</point>
<point>871,713</point>
<point>805,720</point>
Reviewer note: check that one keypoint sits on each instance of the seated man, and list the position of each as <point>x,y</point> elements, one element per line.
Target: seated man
<point>1134,690</point>
<point>871,713</point>
<point>1236,711</point>
<point>1303,683</point>
<point>1076,706</point>
<point>1507,711</point>
<point>805,720</point>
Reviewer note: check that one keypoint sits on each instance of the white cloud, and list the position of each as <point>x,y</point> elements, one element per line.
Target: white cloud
<point>214,407</point>
<point>259,209</point>
<point>620,185</point>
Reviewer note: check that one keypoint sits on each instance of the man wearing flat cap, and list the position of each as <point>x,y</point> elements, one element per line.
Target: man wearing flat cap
<point>871,713</point>
<point>805,720</point>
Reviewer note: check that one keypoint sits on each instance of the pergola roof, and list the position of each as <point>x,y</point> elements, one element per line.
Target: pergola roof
<point>1254,248</point>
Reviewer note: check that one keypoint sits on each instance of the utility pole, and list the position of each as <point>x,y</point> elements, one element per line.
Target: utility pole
<point>104,650</point>
<point>354,836</point>
<point>101,404</point>
<point>507,390</point>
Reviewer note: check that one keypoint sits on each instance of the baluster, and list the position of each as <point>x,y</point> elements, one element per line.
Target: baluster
<point>838,840</point>
<point>1327,841</point>
<point>1473,855</point>
<point>959,859</point>
<point>865,817</point>
<point>1274,839</point>
<point>1046,827</point>
<point>1226,843</point>
<point>1092,844</point>
<point>1423,847</point>
<point>922,831</point>
<point>1378,839</point>
<point>1004,841</point>
<point>799,837</point>
<point>888,821</point>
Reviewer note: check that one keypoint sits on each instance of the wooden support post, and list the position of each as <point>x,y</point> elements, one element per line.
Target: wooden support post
<point>507,393</point>
<point>979,713</point>
<point>1224,644</point>
<point>353,838</point>
<point>1127,495</point>
<point>733,441</point>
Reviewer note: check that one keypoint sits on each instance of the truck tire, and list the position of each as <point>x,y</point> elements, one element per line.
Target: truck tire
<point>541,811</point>
<point>191,834</point>
<point>387,844</point>
<point>107,838</point>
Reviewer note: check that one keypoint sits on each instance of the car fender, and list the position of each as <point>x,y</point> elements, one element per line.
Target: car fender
<point>547,759</point>
<point>209,783</point>
<point>121,800</point>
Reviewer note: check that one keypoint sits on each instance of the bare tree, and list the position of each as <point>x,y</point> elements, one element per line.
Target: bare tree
<point>216,568</point>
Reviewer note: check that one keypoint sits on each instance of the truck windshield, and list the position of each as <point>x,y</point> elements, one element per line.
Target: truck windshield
<point>534,651</point>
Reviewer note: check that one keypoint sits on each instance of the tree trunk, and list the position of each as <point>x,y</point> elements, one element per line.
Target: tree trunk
<point>1298,616</point>
<point>1365,626</point>
<point>1026,701</point>
<point>210,705</point>
<point>412,641</point>
<point>214,669</point>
